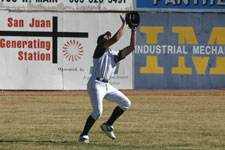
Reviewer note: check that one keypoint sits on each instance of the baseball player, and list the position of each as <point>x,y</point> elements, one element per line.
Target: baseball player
<point>105,60</point>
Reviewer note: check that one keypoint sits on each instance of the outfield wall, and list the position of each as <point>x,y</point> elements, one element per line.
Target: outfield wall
<point>53,51</point>
<point>180,44</point>
<point>180,51</point>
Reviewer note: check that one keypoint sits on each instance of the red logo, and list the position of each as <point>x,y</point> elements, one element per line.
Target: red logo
<point>73,50</point>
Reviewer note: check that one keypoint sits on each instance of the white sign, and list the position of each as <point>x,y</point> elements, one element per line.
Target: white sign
<point>70,5</point>
<point>53,51</point>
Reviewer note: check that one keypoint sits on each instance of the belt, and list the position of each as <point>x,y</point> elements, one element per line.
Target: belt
<point>102,80</point>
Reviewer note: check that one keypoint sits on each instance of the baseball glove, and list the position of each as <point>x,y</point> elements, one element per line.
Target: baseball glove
<point>132,19</point>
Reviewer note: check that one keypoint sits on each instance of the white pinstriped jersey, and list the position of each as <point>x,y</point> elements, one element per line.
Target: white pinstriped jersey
<point>105,66</point>
<point>105,60</point>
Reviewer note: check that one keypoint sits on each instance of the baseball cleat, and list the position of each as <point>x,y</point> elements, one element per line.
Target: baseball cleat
<point>108,130</point>
<point>84,139</point>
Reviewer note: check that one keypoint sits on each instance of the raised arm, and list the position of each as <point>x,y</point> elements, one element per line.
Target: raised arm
<point>127,50</point>
<point>117,35</point>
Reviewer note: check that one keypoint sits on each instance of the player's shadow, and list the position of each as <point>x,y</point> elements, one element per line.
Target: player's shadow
<point>94,143</point>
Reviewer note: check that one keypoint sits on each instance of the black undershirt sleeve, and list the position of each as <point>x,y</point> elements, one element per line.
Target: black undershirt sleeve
<point>99,50</point>
<point>118,57</point>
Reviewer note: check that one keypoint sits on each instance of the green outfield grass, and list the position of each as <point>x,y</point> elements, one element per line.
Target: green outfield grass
<point>174,122</point>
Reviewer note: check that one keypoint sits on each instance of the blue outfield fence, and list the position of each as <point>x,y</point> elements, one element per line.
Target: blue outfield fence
<point>180,51</point>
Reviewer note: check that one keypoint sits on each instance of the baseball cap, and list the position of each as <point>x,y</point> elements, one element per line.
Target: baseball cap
<point>101,36</point>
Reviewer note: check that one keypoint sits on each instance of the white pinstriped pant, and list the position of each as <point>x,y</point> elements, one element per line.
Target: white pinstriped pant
<point>98,90</point>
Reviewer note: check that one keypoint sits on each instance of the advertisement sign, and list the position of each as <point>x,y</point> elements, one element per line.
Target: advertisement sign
<point>53,51</point>
<point>67,5</point>
<point>181,5</point>
<point>180,51</point>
